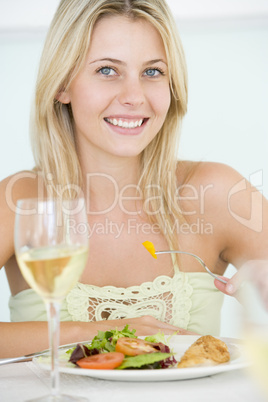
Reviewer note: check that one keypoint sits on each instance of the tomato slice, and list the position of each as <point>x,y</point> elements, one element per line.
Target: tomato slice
<point>102,361</point>
<point>134,347</point>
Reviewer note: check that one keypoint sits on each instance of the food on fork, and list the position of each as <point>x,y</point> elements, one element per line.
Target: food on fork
<point>150,247</point>
<point>205,351</point>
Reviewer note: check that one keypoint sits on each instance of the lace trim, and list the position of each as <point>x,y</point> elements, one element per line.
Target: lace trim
<point>166,298</point>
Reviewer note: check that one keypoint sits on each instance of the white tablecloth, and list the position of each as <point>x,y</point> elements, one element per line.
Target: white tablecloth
<point>22,381</point>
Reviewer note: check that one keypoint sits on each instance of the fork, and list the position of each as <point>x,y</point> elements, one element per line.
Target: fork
<point>196,257</point>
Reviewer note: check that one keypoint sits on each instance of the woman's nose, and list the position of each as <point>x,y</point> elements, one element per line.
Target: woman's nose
<point>131,92</point>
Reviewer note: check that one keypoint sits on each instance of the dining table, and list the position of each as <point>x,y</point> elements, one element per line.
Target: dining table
<point>27,380</point>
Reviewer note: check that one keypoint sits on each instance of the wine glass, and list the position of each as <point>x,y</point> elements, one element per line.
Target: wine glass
<point>253,295</point>
<point>51,246</point>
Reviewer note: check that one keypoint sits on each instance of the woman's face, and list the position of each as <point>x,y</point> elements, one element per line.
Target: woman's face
<point>121,96</point>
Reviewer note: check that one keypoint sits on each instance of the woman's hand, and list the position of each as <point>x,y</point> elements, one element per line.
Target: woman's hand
<point>255,272</point>
<point>145,325</point>
<point>231,287</point>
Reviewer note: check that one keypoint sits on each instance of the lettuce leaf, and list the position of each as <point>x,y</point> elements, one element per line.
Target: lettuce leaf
<point>160,337</point>
<point>125,333</point>
<point>143,360</point>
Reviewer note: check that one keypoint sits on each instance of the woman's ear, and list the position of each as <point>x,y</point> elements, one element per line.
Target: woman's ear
<point>63,97</point>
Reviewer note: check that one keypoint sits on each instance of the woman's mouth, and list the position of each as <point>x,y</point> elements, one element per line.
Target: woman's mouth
<point>125,123</point>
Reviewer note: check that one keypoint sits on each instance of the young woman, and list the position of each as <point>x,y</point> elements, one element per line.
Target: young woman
<point>110,97</point>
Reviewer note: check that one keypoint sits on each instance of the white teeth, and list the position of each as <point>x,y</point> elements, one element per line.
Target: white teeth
<point>125,124</point>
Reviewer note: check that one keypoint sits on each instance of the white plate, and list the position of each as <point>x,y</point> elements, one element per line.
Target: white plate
<point>179,344</point>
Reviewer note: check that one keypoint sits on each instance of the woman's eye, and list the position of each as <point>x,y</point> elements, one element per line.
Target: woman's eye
<point>106,71</point>
<point>153,72</point>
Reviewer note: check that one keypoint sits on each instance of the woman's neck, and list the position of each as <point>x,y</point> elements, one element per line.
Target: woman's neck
<point>110,181</point>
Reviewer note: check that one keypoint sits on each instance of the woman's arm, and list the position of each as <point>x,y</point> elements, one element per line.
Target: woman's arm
<point>242,223</point>
<point>20,338</point>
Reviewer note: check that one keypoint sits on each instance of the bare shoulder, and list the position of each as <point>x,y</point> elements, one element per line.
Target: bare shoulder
<point>213,182</point>
<point>235,208</point>
<point>207,173</point>
<point>25,184</point>
<point>227,187</point>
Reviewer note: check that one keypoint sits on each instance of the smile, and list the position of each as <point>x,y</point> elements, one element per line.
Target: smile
<point>124,123</point>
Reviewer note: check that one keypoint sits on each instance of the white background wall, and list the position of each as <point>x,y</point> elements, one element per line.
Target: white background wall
<point>226,46</point>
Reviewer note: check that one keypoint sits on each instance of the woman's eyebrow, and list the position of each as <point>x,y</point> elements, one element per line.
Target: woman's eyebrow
<point>154,62</point>
<point>108,59</point>
<point>116,61</point>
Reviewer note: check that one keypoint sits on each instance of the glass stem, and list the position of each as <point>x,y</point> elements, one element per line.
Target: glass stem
<point>53,314</point>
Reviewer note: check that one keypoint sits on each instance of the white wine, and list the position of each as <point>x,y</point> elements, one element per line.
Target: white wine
<point>53,271</point>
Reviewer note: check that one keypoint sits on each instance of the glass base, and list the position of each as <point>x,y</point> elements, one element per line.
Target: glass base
<point>59,398</point>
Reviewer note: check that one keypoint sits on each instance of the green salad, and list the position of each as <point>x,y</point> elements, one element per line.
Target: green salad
<point>122,350</point>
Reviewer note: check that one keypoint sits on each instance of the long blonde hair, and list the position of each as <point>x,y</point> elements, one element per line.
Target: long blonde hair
<point>53,138</point>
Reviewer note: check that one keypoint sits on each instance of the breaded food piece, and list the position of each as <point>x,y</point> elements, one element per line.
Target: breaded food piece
<point>206,350</point>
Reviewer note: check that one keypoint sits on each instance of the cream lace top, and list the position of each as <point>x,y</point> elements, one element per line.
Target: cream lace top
<point>187,300</point>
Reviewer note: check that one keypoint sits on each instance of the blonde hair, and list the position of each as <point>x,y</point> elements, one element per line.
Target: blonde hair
<point>53,138</point>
